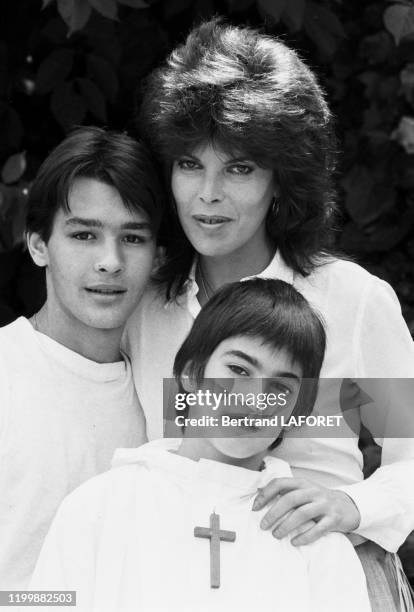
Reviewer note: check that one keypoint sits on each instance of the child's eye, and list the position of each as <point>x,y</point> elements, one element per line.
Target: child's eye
<point>240,169</point>
<point>279,387</point>
<point>83,236</point>
<point>187,164</point>
<point>238,370</point>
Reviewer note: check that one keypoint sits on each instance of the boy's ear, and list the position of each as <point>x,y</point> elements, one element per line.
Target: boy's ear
<point>187,381</point>
<point>187,384</point>
<point>38,249</point>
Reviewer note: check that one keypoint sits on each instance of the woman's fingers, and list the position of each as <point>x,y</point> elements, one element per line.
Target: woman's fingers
<point>275,487</point>
<point>302,529</point>
<point>304,510</point>
<point>321,528</point>
<point>285,503</point>
<point>300,516</point>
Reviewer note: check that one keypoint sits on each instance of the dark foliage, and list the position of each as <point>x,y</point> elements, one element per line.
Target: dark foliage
<point>72,64</point>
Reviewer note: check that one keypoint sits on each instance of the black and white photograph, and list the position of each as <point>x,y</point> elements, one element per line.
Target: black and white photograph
<point>207,305</point>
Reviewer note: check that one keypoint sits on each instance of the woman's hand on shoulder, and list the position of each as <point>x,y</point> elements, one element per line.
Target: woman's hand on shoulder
<point>304,510</point>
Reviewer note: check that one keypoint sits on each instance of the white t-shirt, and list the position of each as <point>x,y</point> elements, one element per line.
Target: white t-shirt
<point>366,338</point>
<point>125,542</point>
<point>61,418</point>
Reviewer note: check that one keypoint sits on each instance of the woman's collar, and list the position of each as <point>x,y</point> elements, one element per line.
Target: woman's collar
<point>276,269</point>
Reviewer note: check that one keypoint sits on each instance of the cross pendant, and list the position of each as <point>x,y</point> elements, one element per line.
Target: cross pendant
<point>215,534</point>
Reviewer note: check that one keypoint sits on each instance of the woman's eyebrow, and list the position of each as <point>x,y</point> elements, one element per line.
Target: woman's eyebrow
<point>185,154</point>
<point>233,160</point>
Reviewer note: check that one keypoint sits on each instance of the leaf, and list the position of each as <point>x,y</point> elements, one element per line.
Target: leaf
<point>93,98</point>
<point>399,20</point>
<point>75,13</point>
<point>273,8</point>
<point>404,134</point>
<point>407,82</point>
<point>136,3</point>
<point>54,70</point>
<point>371,211</point>
<point>67,106</point>
<point>14,168</point>
<point>293,14</point>
<point>323,27</point>
<point>107,8</point>
<point>103,75</point>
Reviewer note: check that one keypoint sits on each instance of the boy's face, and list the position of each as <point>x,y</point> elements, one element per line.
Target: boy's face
<point>98,259</point>
<point>245,358</point>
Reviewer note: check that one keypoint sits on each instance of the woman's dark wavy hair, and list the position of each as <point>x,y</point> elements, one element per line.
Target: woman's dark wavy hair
<point>269,309</point>
<point>110,157</point>
<point>249,93</point>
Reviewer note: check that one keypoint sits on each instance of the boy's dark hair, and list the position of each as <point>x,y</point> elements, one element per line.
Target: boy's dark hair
<point>269,309</point>
<point>250,94</point>
<point>110,157</point>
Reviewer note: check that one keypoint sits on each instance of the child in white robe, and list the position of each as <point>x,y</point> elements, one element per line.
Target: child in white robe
<point>136,538</point>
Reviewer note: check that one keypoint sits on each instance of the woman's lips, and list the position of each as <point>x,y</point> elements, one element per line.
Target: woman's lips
<point>211,219</point>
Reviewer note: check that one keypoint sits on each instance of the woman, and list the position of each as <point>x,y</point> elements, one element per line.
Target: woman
<point>245,134</point>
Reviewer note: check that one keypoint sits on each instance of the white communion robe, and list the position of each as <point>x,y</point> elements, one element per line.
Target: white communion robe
<point>125,541</point>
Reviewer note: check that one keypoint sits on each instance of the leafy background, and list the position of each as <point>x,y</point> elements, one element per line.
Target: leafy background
<point>71,62</point>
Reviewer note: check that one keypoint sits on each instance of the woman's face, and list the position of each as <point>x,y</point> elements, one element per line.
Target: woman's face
<point>222,201</point>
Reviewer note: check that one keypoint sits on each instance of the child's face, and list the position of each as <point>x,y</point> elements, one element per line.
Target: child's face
<point>98,259</point>
<point>244,357</point>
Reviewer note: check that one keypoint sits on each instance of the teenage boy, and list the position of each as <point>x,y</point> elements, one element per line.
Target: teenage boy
<point>67,398</point>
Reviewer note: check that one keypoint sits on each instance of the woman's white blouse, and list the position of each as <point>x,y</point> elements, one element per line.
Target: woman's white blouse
<point>367,338</point>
